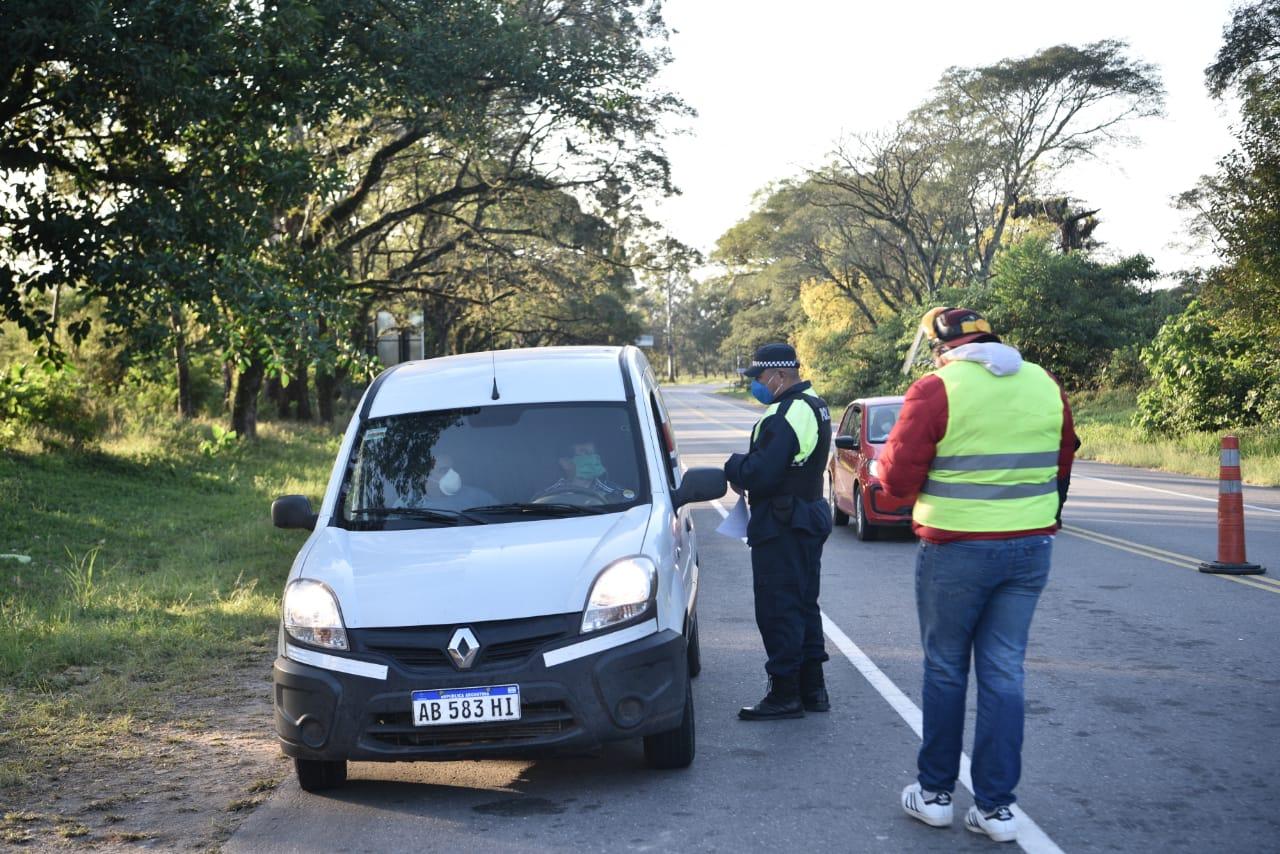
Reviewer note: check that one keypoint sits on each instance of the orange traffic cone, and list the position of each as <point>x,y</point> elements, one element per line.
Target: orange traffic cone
<point>1231,559</point>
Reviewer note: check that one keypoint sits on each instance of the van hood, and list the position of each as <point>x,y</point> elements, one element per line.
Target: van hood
<point>437,576</point>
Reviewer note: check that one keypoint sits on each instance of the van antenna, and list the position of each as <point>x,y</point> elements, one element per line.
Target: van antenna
<point>493,360</point>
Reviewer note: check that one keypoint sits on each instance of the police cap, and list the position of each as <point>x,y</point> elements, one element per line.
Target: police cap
<point>772,356</point>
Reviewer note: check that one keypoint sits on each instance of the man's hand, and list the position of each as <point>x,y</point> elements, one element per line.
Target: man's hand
<point>736,488</point>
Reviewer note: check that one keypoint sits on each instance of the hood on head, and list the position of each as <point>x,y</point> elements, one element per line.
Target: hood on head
<point>1000,359</point>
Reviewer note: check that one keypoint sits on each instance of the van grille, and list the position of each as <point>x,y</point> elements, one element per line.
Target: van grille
<point>503,644</point>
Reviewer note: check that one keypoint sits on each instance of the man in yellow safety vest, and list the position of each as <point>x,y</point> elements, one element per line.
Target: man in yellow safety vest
<point>984,446</point>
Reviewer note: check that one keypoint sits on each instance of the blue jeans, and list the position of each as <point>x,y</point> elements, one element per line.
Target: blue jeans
<point>976,597</point>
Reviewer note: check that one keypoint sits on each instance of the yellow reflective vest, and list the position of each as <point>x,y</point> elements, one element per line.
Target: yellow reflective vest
<point>996,467</point>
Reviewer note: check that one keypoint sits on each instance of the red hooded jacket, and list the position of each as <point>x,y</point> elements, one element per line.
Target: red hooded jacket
<point>904,465</point>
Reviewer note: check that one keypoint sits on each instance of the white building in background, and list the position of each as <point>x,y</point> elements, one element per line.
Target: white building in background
<point>394,342</point>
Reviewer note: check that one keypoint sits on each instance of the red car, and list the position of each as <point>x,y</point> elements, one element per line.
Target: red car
<point>852,483</point>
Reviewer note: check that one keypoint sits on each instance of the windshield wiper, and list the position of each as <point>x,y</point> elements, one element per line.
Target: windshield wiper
<point>444,517</point>
<point>528,508</point>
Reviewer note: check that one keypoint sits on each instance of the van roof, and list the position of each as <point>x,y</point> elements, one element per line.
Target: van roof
<point>531,375</point>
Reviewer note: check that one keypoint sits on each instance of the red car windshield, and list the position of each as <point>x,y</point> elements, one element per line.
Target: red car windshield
<point>880,420</point>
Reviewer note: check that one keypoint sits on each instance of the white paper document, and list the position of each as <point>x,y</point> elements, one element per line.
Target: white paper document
<point>735,524</point>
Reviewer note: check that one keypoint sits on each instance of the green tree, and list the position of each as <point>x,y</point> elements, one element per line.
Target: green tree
<point>1031,117</point>
<point>897,218</point>
<point>1065,311</point>
<point>1208,375</point>
<point>1215,365</point>
<point>1238,207</point>
<point>267,172</point>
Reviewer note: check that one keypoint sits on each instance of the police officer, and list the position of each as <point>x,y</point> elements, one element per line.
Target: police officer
<point>782,475</point>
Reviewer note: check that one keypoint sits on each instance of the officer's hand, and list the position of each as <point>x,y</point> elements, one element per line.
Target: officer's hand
<point>736,488</point>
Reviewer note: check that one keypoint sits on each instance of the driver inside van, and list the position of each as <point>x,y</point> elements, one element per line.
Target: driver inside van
<point>584,472</point>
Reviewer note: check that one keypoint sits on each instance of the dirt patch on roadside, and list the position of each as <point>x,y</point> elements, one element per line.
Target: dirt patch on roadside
<point>181,781</point>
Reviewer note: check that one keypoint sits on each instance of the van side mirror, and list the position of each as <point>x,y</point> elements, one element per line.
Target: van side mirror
<point>293,511</point>
<point>847,443</point>
<point>701,484</point>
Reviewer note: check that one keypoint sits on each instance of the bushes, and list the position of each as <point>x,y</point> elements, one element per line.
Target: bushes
<point>48,404</point>
<point>1205,376</point>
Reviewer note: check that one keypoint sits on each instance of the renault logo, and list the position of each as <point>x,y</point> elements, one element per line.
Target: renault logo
<point>463,648</point>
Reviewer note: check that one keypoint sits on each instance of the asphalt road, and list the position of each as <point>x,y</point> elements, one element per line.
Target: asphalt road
<point>1153,706</point>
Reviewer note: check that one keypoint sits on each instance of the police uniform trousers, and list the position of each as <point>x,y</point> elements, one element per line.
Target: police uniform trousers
<point>785,571</point>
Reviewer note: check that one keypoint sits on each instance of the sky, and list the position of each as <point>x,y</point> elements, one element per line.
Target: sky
<point>777,84</point>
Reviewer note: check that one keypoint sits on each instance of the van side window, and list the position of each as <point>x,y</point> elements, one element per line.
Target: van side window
<point>666,438</point>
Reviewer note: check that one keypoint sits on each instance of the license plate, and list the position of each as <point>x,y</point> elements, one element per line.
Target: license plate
<point>466,705</point>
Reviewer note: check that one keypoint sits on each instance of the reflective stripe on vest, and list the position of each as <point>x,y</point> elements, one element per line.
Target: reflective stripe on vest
<point>996,468</point>
<point>803,423</point>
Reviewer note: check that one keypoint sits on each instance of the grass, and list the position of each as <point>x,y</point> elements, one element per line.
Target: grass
<point>702,379</point>
<point>152,565</point>
<point>736,392</point>
<point>1104,422</point>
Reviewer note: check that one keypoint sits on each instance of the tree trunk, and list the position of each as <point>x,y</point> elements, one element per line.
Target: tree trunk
<point>326,393</point>
<point>277,394</point>
<point>244,409</point>
<point>186,405</point>
<point>300,391</point>
<point>227,385</point>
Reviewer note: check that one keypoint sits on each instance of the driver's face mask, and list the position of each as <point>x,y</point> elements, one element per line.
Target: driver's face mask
<point>588,466</point>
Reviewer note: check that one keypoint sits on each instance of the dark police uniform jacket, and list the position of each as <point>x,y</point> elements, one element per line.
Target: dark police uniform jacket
<point>784,485</point>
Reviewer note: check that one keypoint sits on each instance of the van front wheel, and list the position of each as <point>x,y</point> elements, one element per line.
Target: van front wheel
<point>695,648</point>
<point>315,775</point>
<point>673,748</point>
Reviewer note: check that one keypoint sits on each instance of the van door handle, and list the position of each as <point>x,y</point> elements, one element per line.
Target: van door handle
<point>688,524</point>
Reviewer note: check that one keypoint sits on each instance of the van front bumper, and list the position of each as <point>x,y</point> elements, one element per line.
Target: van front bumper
<point>630,690</point>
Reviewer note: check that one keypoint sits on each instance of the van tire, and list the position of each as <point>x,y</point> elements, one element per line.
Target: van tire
<point>695,647</point>
<point>674,748</point>
<point>316,775</point>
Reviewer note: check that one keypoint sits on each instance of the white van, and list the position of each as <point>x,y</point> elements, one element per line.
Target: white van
<point>504,563</point>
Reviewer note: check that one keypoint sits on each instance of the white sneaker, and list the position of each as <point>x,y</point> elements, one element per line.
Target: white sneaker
<point>1000,824</point>
<point>933,808</point>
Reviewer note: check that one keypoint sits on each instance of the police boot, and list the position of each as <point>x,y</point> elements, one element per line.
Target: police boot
<point>813,688</point>
<point>782,701</point>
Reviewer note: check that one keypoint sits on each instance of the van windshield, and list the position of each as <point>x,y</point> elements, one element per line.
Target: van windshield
<point>494,464</point>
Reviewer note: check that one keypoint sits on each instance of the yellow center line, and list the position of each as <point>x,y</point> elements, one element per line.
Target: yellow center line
<point>1132,548</point>
<point>1153,549</point>
<point>1187,560</point>
<point>1181,561</point>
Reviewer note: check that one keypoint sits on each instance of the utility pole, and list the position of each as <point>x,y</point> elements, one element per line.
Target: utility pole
<point>671,347</point>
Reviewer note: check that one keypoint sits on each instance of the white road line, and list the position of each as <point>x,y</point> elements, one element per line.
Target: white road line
<point>1171,492</point>
<point>1031,838</point>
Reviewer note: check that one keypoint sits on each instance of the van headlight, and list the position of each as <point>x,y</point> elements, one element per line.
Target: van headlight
<point>623,591</point>
<point>311,614</point>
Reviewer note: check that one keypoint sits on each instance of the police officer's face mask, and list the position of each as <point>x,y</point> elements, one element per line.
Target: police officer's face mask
<point>761,392</point>
<point>587,466</point>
